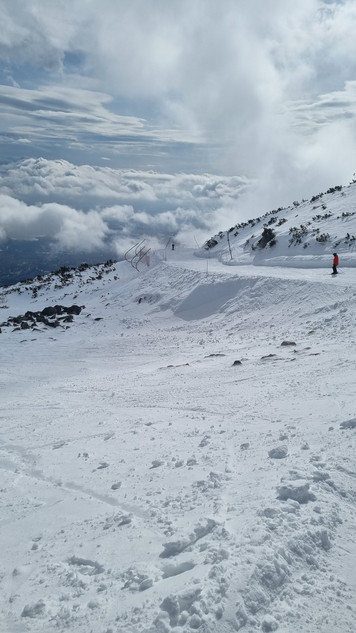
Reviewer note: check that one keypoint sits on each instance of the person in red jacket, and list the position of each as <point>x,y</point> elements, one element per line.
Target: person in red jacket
<point>335,263</point>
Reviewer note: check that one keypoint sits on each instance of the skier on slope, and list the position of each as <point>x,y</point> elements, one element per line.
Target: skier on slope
<point>335,263</point>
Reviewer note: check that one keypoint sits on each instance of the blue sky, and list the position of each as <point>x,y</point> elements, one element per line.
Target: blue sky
<point>261,90</point>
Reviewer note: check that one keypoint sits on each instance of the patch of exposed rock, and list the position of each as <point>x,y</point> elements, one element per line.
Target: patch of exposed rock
<point>51,316</point>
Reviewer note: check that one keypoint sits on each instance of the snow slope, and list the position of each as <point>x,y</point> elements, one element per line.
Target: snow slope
<point>304,234</point>
<point>180,457</point>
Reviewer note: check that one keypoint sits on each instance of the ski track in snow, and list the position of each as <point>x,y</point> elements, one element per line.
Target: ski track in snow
<point>149,484</point>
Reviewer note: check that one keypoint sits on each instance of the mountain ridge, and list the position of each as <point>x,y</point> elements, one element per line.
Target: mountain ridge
<point>303,234</point>
<point>286,236</point>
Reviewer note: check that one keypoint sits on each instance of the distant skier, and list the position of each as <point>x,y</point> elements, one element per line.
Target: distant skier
<point>335,263</point>
<point>173,247</point>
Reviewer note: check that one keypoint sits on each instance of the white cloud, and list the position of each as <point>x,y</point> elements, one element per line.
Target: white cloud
<point>83,186</point>
<point>121,214</point>
<point>69,228</point>
<point>249,87</point>
<point>86,208</point>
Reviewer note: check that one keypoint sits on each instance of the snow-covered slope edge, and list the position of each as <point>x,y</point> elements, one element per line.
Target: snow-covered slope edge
<point>181,456</point>
<point>302,235</point>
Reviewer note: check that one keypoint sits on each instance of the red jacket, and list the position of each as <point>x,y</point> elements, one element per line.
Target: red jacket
<point>336,260</point>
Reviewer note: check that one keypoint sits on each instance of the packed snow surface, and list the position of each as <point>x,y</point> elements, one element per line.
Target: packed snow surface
<point>181,456</point>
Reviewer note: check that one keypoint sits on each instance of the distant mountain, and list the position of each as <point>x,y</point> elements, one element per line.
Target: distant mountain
<point>21,260</point>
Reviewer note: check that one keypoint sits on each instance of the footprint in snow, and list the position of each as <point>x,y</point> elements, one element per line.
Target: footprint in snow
<point>59,444</point>
<point>102,465</point>
<point>34,610</point>
<point>348,424</point>
<point>175,570</point>
<point>297,491</point>
<point>118,520</point>
<point>156,463</point>
<point>278,453</point>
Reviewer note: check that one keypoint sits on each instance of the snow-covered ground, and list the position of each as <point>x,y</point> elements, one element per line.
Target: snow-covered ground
<point>181,456</point>
<point>303,235</point>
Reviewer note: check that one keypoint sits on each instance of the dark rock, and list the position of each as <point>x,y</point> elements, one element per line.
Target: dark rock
<point>55,323</point>
<point>74,309</point>
<point>47,316</point>
<point>49,311</point>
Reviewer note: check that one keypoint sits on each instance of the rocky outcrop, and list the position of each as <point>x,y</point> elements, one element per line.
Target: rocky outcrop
<point>50,316</point>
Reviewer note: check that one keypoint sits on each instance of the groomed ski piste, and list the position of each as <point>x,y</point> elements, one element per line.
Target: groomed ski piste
<point>181,455</point>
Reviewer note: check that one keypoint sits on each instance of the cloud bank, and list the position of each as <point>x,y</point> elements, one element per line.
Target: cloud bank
<point>92,208</point>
